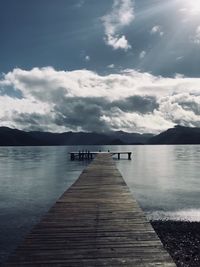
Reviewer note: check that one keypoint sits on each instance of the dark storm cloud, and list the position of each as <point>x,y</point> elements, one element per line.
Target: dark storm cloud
<point>140,104</point>
<point>86,113</point>
<point>191,105</point>
<point>32,121</point>
<point>81,113</point>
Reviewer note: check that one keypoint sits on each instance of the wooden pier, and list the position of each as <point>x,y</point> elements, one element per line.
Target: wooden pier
<point>88,155</point>
<point>96,222</point>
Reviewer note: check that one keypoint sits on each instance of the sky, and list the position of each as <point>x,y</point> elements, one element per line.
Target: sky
<point>89,65</point>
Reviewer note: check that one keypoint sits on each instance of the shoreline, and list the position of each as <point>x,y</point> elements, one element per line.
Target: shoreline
<point>181,239</point>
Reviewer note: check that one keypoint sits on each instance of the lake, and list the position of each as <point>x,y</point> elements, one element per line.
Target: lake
<point>164,179</point>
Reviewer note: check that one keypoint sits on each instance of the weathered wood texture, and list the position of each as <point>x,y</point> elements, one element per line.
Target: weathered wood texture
<point>96,222</point>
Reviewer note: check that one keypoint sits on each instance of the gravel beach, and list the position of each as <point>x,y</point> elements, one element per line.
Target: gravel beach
<point>182,241</point>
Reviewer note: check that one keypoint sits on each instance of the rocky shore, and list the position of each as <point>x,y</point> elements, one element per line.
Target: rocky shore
<point>182,241</point>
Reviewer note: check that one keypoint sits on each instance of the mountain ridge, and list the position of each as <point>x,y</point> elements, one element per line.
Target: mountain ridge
<point>177,135</point>
<point>15,137</point>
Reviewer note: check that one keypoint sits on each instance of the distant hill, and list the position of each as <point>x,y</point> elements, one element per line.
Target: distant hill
<point>131,138</point>
<point>177,135</point>
<point>14,137</point>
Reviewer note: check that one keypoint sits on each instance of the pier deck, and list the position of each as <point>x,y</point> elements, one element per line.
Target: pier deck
<point>81,155</point>
<point>96,222</point>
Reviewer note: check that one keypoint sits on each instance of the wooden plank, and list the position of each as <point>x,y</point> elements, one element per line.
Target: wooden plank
<point>96,222</point>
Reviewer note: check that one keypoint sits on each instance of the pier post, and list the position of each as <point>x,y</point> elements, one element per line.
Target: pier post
<point>129,155</point>
<point>72,156</point>
<point>118,155</point>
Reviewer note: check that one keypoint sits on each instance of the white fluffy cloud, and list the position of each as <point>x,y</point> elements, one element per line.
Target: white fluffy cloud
<point>83,100</point>
<point>118,42</point>
<point>121,15</point>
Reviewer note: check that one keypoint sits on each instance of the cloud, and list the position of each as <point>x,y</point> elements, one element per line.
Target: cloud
<point>121,15</point>
<point>79,4</point>
<point>190,8</point>
<point>157,29</point>
<point>82,113</point>
<point>118,42</point>
<point>87,58</point>
<point>181,109</point>
<point>14,110</point>
<point>179,58</point>
<point>47,99</point>
<point>140,104</point>
<point>111,66</point>
<point>142,54</point>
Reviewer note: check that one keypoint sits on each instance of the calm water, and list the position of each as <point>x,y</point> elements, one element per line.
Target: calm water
<point>164,179</point>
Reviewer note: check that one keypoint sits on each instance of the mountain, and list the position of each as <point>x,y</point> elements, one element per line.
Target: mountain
<point>131,138</point>
<point>177,135</point>
<point>14,137</point>
<point>71,138</point>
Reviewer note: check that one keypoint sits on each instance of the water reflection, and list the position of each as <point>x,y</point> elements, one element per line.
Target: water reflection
<point>164,178</point>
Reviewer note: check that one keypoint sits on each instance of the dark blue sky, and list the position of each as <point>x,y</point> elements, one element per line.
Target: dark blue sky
<point>51,33</point>
<point>63,33</point>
